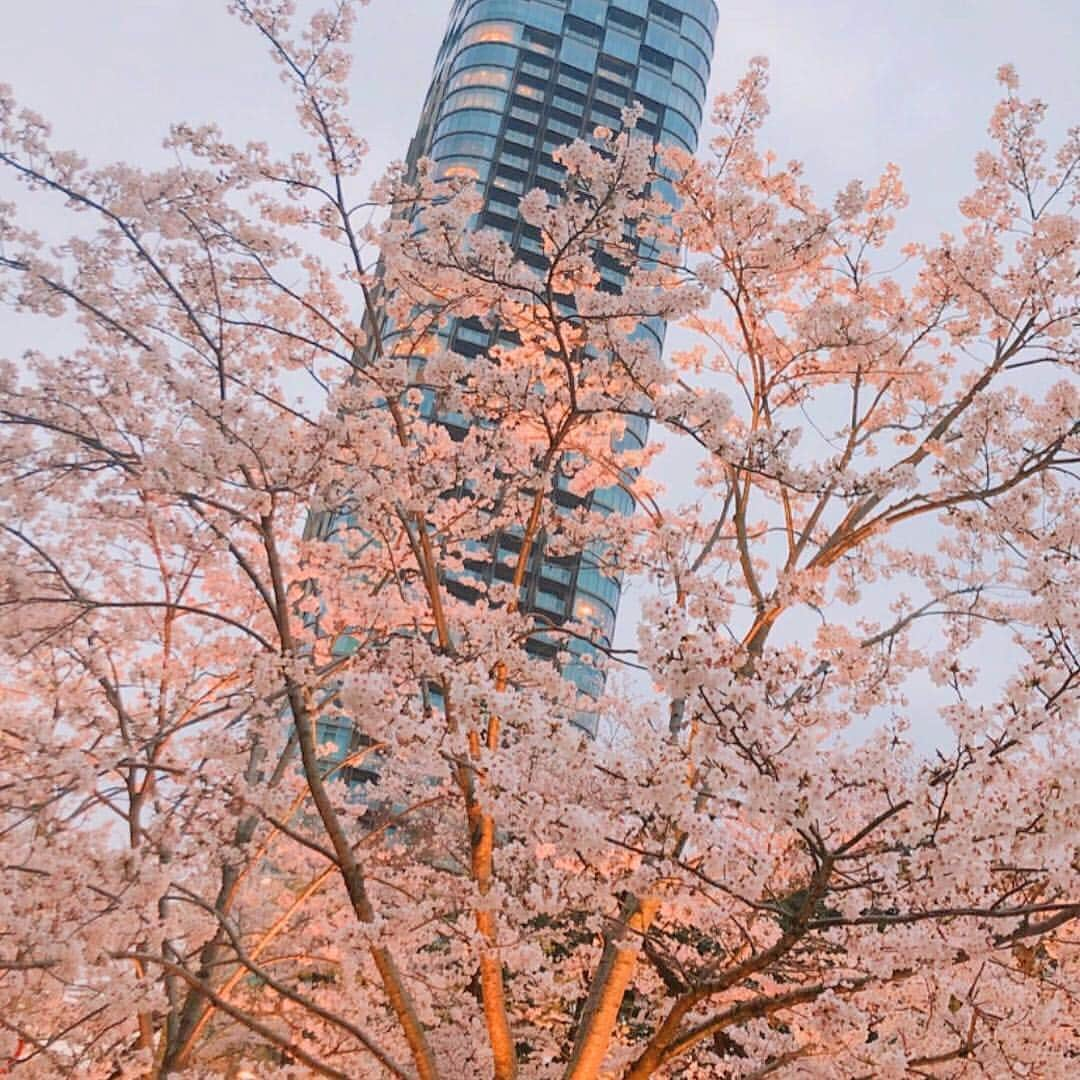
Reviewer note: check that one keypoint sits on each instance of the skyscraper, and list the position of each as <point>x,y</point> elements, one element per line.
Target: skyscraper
<point>513,81</point>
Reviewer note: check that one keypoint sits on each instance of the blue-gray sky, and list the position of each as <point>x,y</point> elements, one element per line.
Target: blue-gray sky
<point>856,84</point>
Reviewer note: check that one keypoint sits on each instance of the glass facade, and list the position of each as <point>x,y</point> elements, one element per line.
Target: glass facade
<point>513,81</point>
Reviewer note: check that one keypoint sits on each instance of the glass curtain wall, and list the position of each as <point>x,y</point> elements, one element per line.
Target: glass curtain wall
<point>513,81</point>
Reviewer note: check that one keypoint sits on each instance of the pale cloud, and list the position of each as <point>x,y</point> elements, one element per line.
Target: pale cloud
<point>856,84</point>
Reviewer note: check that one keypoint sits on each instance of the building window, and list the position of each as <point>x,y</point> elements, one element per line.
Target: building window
<point>665,13</point>
<point>484,33</point>
<point>634,23</point>
<point>555,173</point>
<point>508,157</point>
<point>474,120</point>
<point>498,221</point>
<point>525,108</point>
<point>656,60</point>
<point>541,42</point>
<point>560,574</point>
<point>535,65</point>
<point>582,29</point>
<point>479,146</point>
<point>680,128</point>
<point>621,44</point>
<point>548,601</point>
<point>473,330</point>
<point>615,69</point>
<point>526,137</point>
<point>617,98</point>
<point>569,100</point>
<point>484,76</point>
<point>596,614</point>
<point>605,115</point>
<point>508,183</point>
<point>485,55</point>
<point>571,77</point>
<point>535,260</point>
<point>479,98</point>
<point>460,170</point>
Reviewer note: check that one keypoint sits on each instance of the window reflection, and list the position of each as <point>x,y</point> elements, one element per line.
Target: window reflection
<point>488,32</point>
<point>484,76</point>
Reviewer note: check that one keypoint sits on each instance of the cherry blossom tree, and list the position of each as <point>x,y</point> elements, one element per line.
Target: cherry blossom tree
<point>230,524</point>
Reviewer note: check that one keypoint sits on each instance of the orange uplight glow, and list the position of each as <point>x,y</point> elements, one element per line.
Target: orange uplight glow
<point>488,32</point>
<point>482,77</point>
<point>461,170</point>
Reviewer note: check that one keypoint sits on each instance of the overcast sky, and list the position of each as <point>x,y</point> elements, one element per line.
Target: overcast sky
<point>856,84</point>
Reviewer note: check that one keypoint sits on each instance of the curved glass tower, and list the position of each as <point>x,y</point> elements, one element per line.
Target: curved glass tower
<point>513,81</point>
<point>515,78</point>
